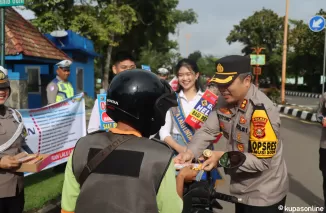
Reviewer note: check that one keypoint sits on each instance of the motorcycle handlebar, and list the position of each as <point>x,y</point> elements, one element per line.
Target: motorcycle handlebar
<point>225,197</point>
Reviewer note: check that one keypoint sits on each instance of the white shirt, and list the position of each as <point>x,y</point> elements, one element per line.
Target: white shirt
<point>187,107</point>
<point>94,121</point>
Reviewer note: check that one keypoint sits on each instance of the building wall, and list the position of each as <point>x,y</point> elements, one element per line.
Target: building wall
<point>18,98</point>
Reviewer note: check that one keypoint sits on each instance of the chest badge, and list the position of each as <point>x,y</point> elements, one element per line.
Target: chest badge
<point>222,126</point>
<point>240,147</point>
<point>242,120</point>
<point>238,137</point>
<point>225,111</point>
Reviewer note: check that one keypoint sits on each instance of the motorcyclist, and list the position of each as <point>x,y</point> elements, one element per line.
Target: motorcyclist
<point>138,174</point>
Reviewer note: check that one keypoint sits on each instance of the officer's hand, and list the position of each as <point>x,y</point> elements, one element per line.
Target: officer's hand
<point>211,162</point>
<point>9,162</point>
<point>188,174</point>
<point>184,157</point>
<point>324,122</point>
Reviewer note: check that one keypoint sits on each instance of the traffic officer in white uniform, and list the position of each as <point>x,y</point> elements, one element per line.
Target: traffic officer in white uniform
<point>60,88</point>
<point>163,73</point>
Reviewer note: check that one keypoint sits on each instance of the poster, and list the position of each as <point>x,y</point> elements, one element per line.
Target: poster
<point>105,121</point>
<point>174,83</point>
<point>55,129</point>
<point>201,110</point>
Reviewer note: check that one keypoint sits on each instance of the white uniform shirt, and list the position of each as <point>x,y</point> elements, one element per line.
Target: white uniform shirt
<point>187,107</point>
<point>94,121</point>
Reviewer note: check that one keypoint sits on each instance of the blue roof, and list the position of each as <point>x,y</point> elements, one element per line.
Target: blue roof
<point>74,41</point>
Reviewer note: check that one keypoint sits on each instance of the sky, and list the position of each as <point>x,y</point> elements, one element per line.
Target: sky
<point>216,19</point>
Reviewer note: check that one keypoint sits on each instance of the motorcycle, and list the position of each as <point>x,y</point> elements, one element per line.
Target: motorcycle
<point>201,197</point>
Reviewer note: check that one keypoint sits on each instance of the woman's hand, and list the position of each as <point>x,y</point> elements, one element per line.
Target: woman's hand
<point>9,162</point>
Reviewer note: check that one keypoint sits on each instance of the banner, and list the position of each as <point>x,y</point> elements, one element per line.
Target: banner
<point>201,110</point>
<point>55,129</point>
<point>146,67</point>
<point>174,83</point>
<point>105,121</point>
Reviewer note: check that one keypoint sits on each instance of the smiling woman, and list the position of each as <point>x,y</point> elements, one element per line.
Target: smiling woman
<point>11,139</point>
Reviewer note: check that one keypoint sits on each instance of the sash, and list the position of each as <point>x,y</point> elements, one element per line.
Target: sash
<point>178,116</point>
<point>18,133</point>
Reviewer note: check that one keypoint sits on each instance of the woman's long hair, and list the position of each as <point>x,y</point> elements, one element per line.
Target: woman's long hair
<point>192,66</point>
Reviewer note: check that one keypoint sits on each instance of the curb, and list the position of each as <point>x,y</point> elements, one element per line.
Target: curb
<point>303,94</point>
<point>303,115</point>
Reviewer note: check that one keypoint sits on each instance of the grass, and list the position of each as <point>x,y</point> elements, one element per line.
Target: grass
<point>43,187</point>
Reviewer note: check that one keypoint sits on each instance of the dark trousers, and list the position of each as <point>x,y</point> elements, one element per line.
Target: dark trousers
<point>322,167</point>
<point>242,208</point>
<point>12,204</point>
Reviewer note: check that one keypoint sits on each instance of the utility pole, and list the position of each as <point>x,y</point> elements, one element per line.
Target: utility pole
<point>188,36</point>
<point>285,39</point>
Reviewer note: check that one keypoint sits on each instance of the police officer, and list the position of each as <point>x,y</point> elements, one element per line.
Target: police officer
<point>11,139</point>
<point>251,124</point>
<point>60,88</point>
<point>137,174</point>
<point>321,117</point>
<point>163,73</point>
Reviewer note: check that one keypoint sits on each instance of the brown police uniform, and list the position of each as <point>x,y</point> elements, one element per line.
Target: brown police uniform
<point>11,139</point>
<point>252,128</point>
<point>322,150</point>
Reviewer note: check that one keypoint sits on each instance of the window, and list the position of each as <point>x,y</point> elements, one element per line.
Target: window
<point>80,80</point>
<point>33,79</point>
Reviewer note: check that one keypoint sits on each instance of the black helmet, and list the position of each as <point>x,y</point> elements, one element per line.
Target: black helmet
<point>140,99</point>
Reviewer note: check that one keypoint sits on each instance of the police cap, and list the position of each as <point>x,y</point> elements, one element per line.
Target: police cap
<point>4,81</point>
<point>229,68</point>
<point>64,64</point>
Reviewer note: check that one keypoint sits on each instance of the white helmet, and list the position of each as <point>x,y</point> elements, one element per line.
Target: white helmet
<point>163,71</point>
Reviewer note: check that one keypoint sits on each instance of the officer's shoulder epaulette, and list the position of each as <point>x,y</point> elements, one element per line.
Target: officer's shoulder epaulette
<point>15,112</point>
<point>98,131</point>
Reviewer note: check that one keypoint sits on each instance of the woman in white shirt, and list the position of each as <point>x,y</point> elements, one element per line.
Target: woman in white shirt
<point>189,93</point>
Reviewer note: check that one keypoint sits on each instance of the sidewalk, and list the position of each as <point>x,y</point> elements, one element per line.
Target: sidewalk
<point>301,112</point>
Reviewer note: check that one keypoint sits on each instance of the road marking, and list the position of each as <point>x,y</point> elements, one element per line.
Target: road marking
<point>295,118</point>
<point>309,122</point>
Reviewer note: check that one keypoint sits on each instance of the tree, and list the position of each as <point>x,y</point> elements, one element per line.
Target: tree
<point>306,53</point>
<point>263,29</point>
<point>114,25</point>
<point>158,59</point>
<point>195,55</point>
<point>206,65</point>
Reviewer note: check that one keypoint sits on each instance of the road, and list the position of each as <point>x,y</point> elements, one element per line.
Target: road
<point>301,144</point>
<point>304,101</point>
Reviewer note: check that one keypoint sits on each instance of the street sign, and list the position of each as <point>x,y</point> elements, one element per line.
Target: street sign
<point>146,67</point>
<point>257,60</point>
<point>317,23</point>
<point>257,70</point>
<point>11,3</point>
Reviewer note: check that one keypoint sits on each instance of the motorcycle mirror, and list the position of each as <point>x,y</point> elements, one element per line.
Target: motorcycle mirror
<point>232,159</point>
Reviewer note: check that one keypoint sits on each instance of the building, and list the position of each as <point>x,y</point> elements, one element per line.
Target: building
<point>31,58</point>
<point>81,50</point>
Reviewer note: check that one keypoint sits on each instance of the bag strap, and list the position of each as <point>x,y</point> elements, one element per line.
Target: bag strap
<point>100,157</point>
